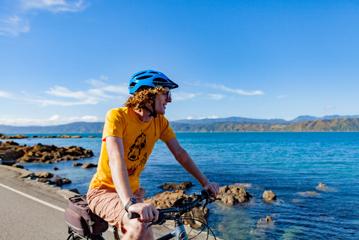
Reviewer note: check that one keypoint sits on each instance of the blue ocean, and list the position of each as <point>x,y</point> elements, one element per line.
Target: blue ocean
<point>289,164</point>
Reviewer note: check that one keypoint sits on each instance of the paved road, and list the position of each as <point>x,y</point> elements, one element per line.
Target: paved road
<point>22,218</point>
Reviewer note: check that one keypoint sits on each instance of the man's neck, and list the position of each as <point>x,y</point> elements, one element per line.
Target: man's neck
<point>143,115</point>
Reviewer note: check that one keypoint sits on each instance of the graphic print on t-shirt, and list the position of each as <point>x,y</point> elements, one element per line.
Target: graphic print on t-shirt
<point>134,153</point>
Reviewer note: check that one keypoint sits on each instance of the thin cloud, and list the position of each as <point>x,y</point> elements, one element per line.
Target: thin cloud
<point>47,102</point>
<point>237,91</point>
<point>52,120</point>
<point>215,96</point>
<point>17,20</point>
<point>60,91</point>
<point>183,96</point>
<point>54,6</point>
<point>13,26</point>
<point>4,94</point>
<point>223,88</point>
<point>98,93</point>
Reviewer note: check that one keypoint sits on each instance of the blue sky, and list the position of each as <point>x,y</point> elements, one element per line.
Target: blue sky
<point>63,61</point>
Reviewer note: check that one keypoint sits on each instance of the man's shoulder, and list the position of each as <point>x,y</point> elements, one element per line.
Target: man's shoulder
<point>119,110</point>
<point>116,113</point>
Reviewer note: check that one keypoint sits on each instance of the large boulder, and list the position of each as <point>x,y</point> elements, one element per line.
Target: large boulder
<point>169,199</point>
<point>233,194</point>
<point>12,154</point>
<point>176,186</point>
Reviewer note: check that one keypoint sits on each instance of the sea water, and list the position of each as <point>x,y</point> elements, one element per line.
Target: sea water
<point>289,164</point>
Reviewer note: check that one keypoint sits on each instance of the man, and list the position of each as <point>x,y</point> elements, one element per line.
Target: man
<point>128,138</point>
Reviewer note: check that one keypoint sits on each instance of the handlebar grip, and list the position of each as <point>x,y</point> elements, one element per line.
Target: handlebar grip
<point>205,193</point>
<point>132,215</point>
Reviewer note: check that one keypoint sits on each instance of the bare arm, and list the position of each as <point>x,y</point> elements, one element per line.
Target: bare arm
<point>119,174</point>
<point>118,168</point>
<point>186,161</point>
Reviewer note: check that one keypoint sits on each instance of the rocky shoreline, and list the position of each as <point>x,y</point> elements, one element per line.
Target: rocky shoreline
<point>12,152</point>
<point>20,136</point>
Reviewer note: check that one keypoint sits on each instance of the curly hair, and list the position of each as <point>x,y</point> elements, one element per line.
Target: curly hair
<point>143,97</point>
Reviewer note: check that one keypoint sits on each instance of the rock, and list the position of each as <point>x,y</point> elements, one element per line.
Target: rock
<point>75,190</point>
<point>266,220</point>
<point>176,186</point>
<point>269,196</point>
<point>43,175</point>
<point>40,153</point>
<point>11,143</point>
<point>28,175</point>
<point>89,165</point>
<point>169,199</point>
<point>196,217</point>
<point>233,194</point>
<point>69,136</point>
<point>44,180</point>
<point>77,164</point>
<point>3,136</point>
<point>322,187</point>
<point>12,154</point>
<point>61,181</point>
<point>18,166</point>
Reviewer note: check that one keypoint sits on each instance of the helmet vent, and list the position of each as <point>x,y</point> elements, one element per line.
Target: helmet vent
<point>138,74</point>
<point>144,77</point>
<point>159,81</point>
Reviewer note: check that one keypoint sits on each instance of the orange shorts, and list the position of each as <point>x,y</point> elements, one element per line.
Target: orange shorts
<point>107,204</point>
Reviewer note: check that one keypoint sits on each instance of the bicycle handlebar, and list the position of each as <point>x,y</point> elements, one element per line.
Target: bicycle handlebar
<point>204,195</point>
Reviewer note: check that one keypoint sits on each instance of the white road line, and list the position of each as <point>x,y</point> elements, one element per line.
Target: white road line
<point>33,198</point>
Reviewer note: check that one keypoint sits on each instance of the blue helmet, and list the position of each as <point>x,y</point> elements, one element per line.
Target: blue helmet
<point>149,79</point>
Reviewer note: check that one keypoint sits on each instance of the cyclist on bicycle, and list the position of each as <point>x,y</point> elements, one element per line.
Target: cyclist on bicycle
<point>129,135</point>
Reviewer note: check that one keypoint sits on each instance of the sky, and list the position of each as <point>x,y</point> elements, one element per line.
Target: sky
<point>70,60</point>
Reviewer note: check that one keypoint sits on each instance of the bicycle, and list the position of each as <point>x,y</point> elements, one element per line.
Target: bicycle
<point>174,213</point>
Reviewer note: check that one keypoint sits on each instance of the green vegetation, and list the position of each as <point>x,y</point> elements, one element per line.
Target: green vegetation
<point>340,124</point>
<point>333,125</point>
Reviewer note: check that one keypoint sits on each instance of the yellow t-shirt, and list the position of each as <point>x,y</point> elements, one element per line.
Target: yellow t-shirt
<point>138,139</point>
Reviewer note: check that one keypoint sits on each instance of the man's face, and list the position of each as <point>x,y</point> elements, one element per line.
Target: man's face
<point>161,101</point>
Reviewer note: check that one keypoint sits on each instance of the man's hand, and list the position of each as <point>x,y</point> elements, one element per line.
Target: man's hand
<point>147,212</point>
<point>212,188</point>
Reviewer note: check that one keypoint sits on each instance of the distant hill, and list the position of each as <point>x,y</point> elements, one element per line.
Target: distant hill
<point>232,124</point>
<point>333,125</point>
<point>76,127</point>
